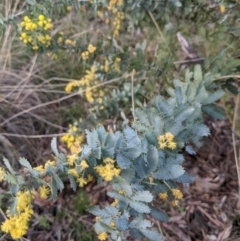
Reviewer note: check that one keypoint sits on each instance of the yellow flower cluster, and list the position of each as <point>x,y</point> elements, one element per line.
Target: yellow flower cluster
<point>106,66</point>
<point>16,225</point>
<point>90,50</point>
<point>2,173</point>
<point>114,7</point>
<point>69,8</point>
<point>85,83</point>
<point>167,141</point>
<point>52,55</point>
<point>102,236</point>
<point>73,137</point>
<point>63,40</point>
<point>113,3</point>
<point>42,168</point>
<point>36,31</point>
<point>116,64</point>
<point>68,42</point>
<point>222,8</point>
<point>119,16</point>
<point>117,23</point>
<point>77,170</point>
<point>176,193</point>
<point>163,196</point>
<point>108,171</point>
<point>78,173</point>
<point>43,192</point>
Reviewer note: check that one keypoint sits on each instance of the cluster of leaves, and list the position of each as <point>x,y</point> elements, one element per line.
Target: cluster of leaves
<point>142,169</point>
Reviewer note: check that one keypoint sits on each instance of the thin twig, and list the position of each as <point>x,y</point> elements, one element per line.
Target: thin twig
<point>227,76</point>
<point>133,106</point>
<point>33,136</point>
<point>159,31</point>
<point>188,61</point>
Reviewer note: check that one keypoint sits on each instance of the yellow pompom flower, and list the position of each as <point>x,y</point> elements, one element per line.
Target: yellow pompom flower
<point>167,141</point>
<point>71,159</point>
<point>222,8</point>
<point>69,8</point>
<point>83,165</point>
<point>41,17</point>
<point>169,136</point>
<point>174,203</point>
<point>82,181</point>
<point>73,172</point>
<point>91,48</point>
<point>172,145</point>
<point>2,172</point>
<point>43,192</point>
<point>89,178</point>
<point>102,236</point>
<point>177,193</point>
<point>163,196</point>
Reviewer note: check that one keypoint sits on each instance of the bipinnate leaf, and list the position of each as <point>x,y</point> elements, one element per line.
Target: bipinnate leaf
<point>177,159</point>
<point>132,137</point>
<point>8,166</point>
<point>184,115</point>
<point>121,223</point>
<point>107,227</point>
<point>73,183</point>
<point>101,133</point>
<point>95,210</point>
<point>112,211</point>
<point>142,117</point>
<point>185,178</point>
<point>214,111</point>
<point>86,151</point>
<point>140,223</point>
<point>92,139</point>
<point>139,167</point>
<point>123,161</point>
<point>10,179</point>
<point>120,145</point>
<point>136,234</point>
<point>54,189</point>
<point>139,207</point>
<point>54,146</point>
<point>168,172</point>
<point>214,97</point>
<point>143,196</point>
<point>152,235</point>
<point>58,181</point>
<point>159,215</point>
<point>189,149</point>
<point>178,93</point>
<point>162,105</point>
<point>201,130</point>
<point>120,183</point>
<point>152,158</point>
<point>24,162</point>
<point>128,174</point>
<point>132,153</point>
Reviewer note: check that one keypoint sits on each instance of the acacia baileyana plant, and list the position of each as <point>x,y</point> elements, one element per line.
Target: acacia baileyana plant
<point>141,163</point>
